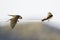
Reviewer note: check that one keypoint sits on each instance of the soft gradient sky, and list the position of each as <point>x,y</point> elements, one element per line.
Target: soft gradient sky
<point>30,9</point>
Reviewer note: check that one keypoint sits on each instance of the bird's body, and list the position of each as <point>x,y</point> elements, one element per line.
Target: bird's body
<point>48,17</point>
<point>14,20</point>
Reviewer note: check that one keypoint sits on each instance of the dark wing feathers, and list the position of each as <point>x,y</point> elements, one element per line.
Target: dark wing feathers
<point>44,19</point>
<point>12,15</point>
<point>13,23</point>
<point>49,16</point>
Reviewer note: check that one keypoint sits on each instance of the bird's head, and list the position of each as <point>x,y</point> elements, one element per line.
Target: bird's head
<point>20,17</point>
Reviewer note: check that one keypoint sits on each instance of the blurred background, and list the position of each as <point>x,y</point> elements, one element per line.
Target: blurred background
<point>30,27</point>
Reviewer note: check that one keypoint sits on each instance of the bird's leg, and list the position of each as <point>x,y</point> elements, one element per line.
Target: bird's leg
<point>18,20</point>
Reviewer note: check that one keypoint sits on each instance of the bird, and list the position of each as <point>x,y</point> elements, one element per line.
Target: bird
<point>14,20</point>
<point>49,16</point>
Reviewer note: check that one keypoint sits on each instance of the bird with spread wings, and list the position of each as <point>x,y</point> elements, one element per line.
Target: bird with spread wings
<point>48,16</point>
<point>14,20</point>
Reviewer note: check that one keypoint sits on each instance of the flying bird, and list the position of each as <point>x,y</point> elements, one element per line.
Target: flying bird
<point>48,16</point>
<point>14,20</point>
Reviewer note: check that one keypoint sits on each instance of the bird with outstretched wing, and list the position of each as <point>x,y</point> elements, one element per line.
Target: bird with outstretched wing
<point>48,16</point>
<point>14,20</point>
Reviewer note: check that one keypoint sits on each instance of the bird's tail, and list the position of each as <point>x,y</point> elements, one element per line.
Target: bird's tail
<point>43,19</point>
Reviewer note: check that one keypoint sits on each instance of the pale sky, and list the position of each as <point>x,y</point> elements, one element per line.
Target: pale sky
<point>30,9</point>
